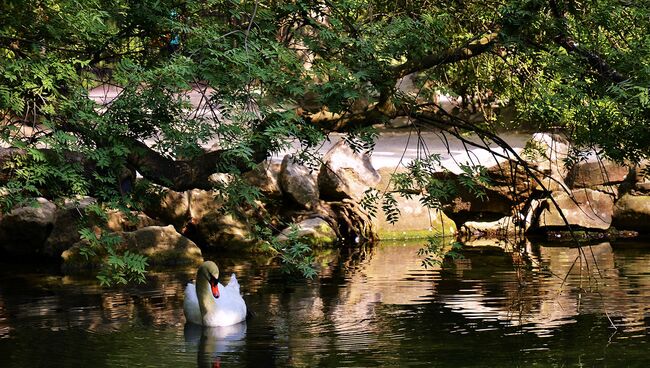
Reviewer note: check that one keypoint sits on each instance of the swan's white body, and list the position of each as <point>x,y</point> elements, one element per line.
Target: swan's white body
<point>226,310</point>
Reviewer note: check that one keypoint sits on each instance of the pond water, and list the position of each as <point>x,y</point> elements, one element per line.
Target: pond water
<point>374,308</point>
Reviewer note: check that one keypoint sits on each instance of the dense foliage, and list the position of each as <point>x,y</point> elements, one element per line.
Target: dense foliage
<point>273,72</point>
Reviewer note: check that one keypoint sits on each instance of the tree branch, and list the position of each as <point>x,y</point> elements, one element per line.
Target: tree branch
<point>468,51</point>
<point>596,61</point>
<point>181,175</point>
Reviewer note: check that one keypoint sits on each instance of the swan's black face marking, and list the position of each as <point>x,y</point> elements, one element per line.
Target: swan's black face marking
<point>214,282</point>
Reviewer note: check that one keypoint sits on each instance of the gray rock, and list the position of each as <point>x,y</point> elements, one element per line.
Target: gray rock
<point>69,220</point>
<point>265,176</point>
<point>597,172</point>
<point>298,182</point>
<point>24,230</point>
<point>632,213</point>
<point>346,174</point>
<point>585,208</point>
<point>220,231</point>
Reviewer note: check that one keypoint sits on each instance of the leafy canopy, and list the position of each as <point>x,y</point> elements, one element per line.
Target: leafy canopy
<point>275,72</point>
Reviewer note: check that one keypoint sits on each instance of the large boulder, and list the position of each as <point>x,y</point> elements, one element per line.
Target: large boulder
<point>639,183</point>
<point>597,172</point>
<point>585,208</point>
<point>298,182</point>
<point>202,203</point>
<point>69,219</point>
<point>467,205</point>
<point>418,221</point>
<point>632,213</point>
<point>169,206</point>
<point>67,223</point>
<point>222,231</point>
<point>415,220</point>
<point>346,174</point>
<point>265,176</point>
<point>162,245</point>
<point>24,229</point>
<point>181,208</point>
<point>511,180</point>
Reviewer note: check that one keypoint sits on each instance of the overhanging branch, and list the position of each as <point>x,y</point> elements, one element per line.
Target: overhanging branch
<point>594,60</point>
<point>181,175</point>
<point>178,175</point>
<point>468,51</point>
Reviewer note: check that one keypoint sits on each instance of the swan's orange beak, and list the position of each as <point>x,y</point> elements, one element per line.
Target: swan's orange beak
<point>214,286</point>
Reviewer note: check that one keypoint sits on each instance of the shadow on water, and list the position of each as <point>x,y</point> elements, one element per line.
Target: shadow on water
<point>551,306</point>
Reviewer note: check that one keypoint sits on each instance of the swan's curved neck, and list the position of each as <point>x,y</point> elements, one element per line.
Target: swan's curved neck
<point>206,301</point>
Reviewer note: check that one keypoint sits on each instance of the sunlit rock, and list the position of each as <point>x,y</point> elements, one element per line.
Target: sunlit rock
<point>511,180</point>
<point>265,176</point>
<point>202,203</point>
<point>467,205</point>
<point>315,231</point>
<point>223,231</point>
<point>170,207</point>
<point>502,228</point>
<point>298,182</point>
<point>414,221</point>
<point>346,173</point>
<point>585,208</point>
<point>596,171</point>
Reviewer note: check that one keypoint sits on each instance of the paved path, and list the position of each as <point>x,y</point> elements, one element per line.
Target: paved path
<point>399,147</point>
<point>394,147</point>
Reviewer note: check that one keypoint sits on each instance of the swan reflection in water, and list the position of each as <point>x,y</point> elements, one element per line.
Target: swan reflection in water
<point>214,342</point>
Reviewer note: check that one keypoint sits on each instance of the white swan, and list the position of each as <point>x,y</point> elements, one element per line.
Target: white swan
<point>209,303</point>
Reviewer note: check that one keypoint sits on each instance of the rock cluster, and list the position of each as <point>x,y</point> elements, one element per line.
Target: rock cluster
<point>551,194</point>
<point>322,204</point>
<point>561,193</point>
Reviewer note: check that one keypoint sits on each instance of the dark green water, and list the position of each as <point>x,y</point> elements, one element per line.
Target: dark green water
<point>375,309</point>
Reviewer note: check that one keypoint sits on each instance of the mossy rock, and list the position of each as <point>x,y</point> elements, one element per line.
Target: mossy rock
<point>314,231</point>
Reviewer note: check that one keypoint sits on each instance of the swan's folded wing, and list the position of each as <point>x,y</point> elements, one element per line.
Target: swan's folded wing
<point>191,305</point>
<point>233,284</point>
